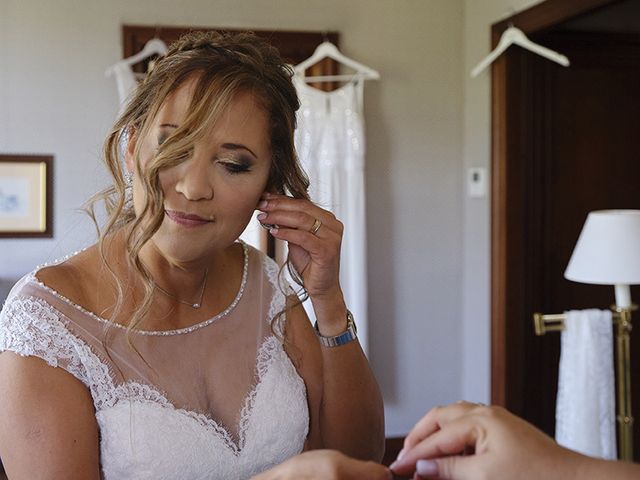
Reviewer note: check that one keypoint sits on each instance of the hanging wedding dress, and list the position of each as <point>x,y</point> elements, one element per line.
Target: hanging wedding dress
<point>330,144</point>
<point>126,81</point>
<point>217,400</point>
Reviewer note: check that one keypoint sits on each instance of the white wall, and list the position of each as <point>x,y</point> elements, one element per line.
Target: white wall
<point>475,328</point>
<point>55,99</point>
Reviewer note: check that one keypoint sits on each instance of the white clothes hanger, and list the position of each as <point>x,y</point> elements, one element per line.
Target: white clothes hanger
<point>328,50</point>
<point>514,35</point>
<point>155,46</point>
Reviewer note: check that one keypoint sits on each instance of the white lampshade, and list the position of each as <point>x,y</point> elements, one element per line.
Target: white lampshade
<point>608,250</point>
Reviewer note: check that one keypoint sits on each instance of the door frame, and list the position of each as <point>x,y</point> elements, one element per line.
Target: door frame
<point>508,197</point>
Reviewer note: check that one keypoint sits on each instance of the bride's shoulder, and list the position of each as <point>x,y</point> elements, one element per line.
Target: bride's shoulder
<point>73,276</point>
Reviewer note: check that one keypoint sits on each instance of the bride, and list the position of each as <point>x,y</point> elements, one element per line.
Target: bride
<point>169,349</point>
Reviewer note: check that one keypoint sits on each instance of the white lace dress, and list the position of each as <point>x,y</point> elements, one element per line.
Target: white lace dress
<point>218,400</point>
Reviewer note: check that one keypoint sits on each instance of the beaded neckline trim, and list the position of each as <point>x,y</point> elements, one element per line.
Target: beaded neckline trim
<point>161,333</point>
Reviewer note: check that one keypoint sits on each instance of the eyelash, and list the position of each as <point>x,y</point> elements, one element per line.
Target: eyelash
<point>234,168</point>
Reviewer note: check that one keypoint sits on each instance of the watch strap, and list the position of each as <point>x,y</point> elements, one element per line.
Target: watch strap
<point>348,336</point>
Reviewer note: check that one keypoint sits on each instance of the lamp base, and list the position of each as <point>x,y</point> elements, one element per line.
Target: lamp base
<point>623,380</point>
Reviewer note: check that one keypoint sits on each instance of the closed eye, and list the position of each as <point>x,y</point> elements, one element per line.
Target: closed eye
<point>235,167</point>
<point>234,164</point>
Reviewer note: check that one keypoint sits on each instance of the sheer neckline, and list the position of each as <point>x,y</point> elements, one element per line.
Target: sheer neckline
<point>178,331</point>
<point>150,394</point>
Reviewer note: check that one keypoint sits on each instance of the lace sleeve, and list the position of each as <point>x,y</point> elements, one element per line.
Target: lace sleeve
<point>31,327</point>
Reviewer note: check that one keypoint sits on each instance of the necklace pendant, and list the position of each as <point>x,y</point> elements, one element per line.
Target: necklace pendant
<point>184,302</point>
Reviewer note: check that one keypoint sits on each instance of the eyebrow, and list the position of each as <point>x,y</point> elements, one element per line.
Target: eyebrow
<point>228,146</point>
<point>236,146</point>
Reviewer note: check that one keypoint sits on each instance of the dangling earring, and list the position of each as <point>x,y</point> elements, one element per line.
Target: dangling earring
<point>128,191</point>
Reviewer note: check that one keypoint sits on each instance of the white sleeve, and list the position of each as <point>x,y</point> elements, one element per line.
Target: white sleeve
<point>31,327</point>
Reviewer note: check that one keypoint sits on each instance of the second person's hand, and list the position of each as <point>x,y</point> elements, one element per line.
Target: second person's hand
<point>326,465</point>
<point>468,441</point>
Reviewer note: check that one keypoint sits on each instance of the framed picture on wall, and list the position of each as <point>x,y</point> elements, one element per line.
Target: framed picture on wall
<point>26,197</point>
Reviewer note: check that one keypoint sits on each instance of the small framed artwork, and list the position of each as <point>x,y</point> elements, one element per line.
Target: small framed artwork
<point>26,196</point>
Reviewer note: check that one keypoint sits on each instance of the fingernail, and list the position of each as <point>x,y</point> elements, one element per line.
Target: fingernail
<point>401,454</point>
<point>398,458</point>
<point>426,467</point>
<point>262,205</point>
<point>273,231</point>
<point>262,216</point>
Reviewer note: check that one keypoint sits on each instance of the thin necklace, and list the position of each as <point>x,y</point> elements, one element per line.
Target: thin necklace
<point>198,304</point>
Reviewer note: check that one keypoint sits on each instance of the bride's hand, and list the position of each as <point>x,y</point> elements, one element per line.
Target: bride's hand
<point>314,236</point>
<point>325,465</point>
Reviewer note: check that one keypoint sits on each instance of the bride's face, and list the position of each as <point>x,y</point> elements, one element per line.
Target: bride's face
<point>208,198</point>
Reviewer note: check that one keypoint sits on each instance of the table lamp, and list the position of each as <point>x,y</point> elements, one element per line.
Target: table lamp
<point>608,253</point>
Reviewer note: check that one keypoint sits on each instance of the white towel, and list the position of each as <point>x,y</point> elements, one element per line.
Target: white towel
<point>585,408</point>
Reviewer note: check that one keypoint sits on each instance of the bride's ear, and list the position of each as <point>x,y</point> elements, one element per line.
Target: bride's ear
<point>132,138</point>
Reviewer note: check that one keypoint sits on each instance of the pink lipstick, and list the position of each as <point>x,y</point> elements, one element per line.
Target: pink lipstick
<point>186,219</point>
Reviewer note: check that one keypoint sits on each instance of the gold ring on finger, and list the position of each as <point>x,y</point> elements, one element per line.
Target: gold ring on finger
<point>316,226</point>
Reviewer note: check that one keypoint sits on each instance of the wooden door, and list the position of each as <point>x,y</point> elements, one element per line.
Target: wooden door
<point>566,142</point>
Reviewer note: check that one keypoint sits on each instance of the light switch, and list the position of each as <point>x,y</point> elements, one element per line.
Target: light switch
<point>477,182</point>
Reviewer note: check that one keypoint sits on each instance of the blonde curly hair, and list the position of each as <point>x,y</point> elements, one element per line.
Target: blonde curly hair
<point>223,66</point>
